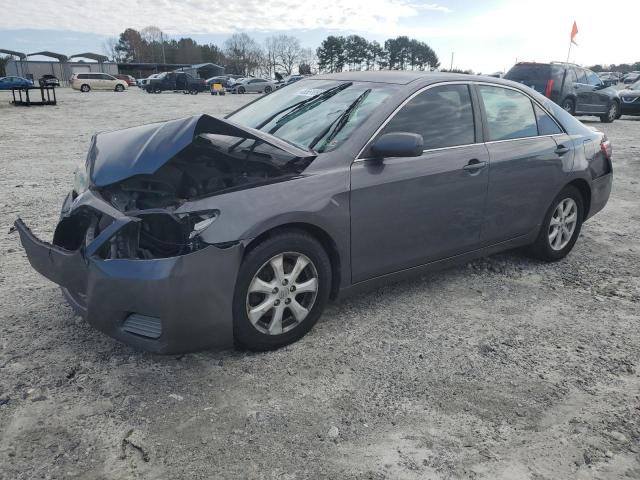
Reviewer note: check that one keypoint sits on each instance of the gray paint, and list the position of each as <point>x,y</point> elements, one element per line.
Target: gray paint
<point>387,218</point>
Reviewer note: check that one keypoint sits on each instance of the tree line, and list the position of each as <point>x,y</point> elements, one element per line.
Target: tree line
<point>337,53</point>
<point>278,55</point>
<point>240,54</point>
<point>622,67</point>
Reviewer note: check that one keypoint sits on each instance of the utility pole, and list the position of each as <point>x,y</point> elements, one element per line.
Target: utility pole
<point>164,60</point>
<point>451,67</point>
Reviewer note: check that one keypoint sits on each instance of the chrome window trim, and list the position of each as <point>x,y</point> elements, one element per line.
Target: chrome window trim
<point>459,82</point>
<point>535,102</point>
<point>429,150</point>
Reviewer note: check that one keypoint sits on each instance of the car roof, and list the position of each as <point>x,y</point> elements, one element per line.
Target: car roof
<point>403,77</point>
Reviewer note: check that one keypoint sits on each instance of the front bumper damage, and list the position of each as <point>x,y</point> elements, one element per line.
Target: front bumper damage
<point>163,305</point>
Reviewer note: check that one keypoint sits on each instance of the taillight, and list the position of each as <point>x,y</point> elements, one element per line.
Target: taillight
<point>606,148</point>
<point>547,91</point>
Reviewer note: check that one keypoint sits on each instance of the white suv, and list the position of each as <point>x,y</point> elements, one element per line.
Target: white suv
<point>97,81</point>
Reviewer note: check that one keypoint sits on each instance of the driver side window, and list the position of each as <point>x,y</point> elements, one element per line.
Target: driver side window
<point>443,115</point>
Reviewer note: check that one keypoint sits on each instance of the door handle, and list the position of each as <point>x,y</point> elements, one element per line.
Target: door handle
<point>561,150</point>
<point>474,165</point>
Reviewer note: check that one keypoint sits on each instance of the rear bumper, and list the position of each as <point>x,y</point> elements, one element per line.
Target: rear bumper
<point>187,299</point>
<point>600,192</point>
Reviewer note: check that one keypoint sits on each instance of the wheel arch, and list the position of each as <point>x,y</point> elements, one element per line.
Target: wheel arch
<point>321,235</point>
<point>585,191</point>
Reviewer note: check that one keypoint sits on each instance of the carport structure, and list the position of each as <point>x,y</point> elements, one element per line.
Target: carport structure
<point>20,63</point>
<point>35,69</point>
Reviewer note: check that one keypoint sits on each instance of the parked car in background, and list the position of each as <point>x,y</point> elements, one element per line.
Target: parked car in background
<point>292,79</point>
<point>609,78</point>
<point>576,89</point>
<point>631,77</point>
<point>86,82</point>
<point>252,85</point>
<point>199,231</point>
<point>176,82</point>
<point>127,78</point>
<point>223,80</point>
<point>49,80</point>
<point>630,99</point>
<point>7,83</point>
<point>141,82</point>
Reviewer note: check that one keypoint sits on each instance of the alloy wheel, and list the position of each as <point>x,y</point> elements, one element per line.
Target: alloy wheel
<point>282,293</point>
<point>563,224</point>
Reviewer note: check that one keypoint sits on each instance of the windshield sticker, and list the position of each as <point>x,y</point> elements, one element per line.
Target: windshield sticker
<point>309,92</point>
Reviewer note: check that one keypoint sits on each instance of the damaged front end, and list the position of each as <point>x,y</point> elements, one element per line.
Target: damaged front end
<point>131,263</point>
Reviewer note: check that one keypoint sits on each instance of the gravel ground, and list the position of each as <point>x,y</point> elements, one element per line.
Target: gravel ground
<point>505,368</point>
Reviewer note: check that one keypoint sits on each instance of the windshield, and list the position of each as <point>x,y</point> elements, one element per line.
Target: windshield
<point>318,114</point>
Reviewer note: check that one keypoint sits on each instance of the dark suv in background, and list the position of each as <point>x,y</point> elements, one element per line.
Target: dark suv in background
<point>177,82</point>
<point>578,90</point>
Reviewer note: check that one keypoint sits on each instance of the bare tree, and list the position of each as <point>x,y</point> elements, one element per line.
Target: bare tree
<point>109,47</point>
<point>244,55</point>
<point>283,53</point>
<point>308,62</point>
<point>154,37</point>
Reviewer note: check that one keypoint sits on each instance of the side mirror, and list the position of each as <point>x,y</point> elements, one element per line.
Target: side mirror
<point>398,144</point>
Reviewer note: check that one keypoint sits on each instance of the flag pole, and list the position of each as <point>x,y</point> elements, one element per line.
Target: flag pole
<point>569,52</point>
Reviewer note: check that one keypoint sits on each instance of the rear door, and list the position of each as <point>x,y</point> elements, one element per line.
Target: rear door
<point>411,211</point>
<point>585,98</point>
<point>527,162</point>
<point>599,94</point>
<point>110,82</point>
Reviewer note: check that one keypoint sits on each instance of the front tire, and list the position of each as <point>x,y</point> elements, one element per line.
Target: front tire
<point>612,113</point>
<point>267,89</point>
<point>561,226</point>
<point>241,90</point>
<point>85,88</point>
<point>119,88</point>
<point>282,288</point>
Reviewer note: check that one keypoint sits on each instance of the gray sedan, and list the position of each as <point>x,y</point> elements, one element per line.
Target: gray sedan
<point>201,232</point>
<point>252,85</point>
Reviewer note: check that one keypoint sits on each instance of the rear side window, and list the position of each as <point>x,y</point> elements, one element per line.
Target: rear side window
<point>525,72</point>
<point>592,78</point>
<point>442,115</point>
<point>546,124</point>
<point>83,76</point>
<point>509,113</point>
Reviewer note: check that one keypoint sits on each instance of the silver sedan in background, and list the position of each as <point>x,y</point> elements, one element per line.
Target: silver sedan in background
<point>253,85</point>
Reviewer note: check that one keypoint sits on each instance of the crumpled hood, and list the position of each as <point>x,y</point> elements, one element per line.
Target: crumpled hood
<point>118,155</point>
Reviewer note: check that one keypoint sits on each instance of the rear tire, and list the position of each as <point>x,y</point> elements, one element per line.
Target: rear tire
<point>291,245</point>
<point>612,113</point>
<point>85,88</point>
<point>551,248</point>
<point>569,106</point>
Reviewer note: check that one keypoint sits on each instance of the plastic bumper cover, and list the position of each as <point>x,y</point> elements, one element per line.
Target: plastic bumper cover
<point>191,295</point>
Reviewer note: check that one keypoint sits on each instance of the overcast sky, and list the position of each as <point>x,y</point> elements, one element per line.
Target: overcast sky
<point>486,36</point>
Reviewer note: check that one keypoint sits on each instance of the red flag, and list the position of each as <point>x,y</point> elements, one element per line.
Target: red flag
<point>574,32</point>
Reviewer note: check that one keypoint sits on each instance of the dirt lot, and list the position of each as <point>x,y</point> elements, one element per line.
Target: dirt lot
<point>506,368</point>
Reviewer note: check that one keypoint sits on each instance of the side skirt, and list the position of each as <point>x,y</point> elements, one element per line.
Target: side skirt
<point>437,265</point>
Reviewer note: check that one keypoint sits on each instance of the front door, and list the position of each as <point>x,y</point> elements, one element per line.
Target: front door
<point>411,211</point>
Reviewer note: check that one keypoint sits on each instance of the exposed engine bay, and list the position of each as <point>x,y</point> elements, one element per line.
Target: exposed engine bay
<point>210,165</point>
<point>204,168</point>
